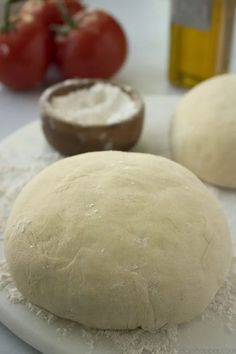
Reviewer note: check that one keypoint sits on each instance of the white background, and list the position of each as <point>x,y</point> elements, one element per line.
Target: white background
<point>147,26</point>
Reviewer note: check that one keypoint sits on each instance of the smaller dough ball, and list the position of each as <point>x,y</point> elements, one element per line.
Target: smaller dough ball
<point>203,134</point>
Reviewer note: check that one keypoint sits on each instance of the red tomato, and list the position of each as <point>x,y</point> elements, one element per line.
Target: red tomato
<point>24,54</point>
<point>95,48</point>
<point>47,11</point>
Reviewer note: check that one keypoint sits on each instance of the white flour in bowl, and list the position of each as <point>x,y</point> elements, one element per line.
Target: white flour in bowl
<point>102,104</point>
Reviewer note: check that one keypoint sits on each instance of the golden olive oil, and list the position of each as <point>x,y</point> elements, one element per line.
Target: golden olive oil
<point>200,40</point>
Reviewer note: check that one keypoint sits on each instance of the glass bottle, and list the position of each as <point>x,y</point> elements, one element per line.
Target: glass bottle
<point>200,40</point>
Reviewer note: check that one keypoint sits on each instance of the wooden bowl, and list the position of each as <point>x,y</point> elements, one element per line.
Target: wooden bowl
<point>72,138</point>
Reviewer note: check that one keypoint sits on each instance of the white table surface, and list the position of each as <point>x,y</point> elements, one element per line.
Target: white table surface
<point>147,25</point>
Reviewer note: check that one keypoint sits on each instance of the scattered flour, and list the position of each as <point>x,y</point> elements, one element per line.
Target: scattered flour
<point>14,177</point>
<point>224,303</point>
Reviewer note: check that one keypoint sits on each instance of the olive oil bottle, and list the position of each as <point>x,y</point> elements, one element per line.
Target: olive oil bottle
<point>200,40</point>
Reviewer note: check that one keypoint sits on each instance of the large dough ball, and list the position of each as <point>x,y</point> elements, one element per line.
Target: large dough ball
<point>118,240</point>
<point>203,133</point>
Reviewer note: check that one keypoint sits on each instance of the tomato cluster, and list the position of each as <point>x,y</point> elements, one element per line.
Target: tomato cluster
<point>80,42</point>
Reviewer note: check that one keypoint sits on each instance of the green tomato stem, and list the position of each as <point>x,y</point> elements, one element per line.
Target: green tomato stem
<point>65,14</point>
<point>7,24</point>
<point>6,15</point>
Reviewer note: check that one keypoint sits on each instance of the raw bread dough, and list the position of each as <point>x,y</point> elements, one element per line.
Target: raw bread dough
<point>118,240</point>
<point>203,132</point>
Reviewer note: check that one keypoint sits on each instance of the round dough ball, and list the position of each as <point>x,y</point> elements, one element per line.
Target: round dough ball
<point>118,241</point>
<point>203,133</point>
